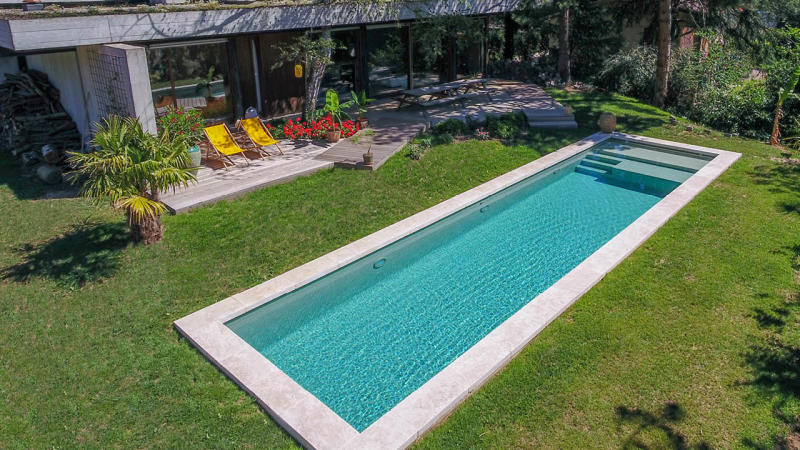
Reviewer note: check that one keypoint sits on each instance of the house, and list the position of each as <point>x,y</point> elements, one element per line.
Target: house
<point>221,57</point>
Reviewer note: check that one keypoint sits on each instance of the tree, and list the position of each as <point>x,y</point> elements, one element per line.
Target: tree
<point>130,168</point>
<point>314,53</point>
<point>664,51</point>
<point>563,44</point>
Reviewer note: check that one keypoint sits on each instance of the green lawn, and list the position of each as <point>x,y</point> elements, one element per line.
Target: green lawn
<point>692,341</point>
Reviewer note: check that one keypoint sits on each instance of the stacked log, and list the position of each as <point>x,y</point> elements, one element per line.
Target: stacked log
<point>34,125</point>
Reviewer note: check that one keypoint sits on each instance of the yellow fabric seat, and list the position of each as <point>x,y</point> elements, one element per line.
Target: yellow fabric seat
<point>221,140</point>
<point>258,133</point>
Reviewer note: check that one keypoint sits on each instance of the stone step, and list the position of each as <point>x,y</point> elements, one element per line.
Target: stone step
<point>561,124</point>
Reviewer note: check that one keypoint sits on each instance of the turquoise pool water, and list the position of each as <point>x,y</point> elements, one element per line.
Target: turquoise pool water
<point>364,337</point>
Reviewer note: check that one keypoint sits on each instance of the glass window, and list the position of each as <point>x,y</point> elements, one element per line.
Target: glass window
<point>192,77</point>
<point>340,75</point>
<point>387,59</point>
<point>469,48</point>
<point>430,54</point>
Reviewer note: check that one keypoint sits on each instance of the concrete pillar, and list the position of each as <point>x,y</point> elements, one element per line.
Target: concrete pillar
<point>117,82</point>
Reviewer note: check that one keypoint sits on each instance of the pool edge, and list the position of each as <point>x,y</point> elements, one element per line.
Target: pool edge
<point>315,425</point>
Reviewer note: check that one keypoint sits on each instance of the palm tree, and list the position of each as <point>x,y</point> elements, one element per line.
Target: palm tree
<point>130,168</point>
<point>785,93</point>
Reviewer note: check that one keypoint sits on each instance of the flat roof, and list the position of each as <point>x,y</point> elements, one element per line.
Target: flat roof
<point>24,33</point>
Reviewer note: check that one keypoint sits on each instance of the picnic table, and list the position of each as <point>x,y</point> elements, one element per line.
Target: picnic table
<point>442,93</point>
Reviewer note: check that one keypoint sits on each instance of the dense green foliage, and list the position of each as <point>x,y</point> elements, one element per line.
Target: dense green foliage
<point>722,87</point>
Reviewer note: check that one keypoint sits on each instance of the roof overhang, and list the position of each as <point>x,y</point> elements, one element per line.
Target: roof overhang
<point>46,34</point>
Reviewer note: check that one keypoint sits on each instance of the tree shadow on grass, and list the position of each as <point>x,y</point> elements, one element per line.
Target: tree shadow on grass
<point>664,422</point>
<point>780,178</point>
<point>88,253</point>
<point>774,359</point>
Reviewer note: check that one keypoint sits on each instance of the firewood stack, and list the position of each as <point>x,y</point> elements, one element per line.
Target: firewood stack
<point>34,126</point>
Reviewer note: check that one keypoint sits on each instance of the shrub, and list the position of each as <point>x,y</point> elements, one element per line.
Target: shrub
<point>184,124</point>
<point>629,72</point>
<point>508,126</point>
<point>418,148</point>
<point>453,127</point>
<point>743,108</point>
<point>442,139</point>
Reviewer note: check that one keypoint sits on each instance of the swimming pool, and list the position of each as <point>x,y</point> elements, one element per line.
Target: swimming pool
<point>382,323</point>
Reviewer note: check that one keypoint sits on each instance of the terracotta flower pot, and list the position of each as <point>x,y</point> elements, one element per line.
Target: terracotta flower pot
<point>362,122</point>
<point>333,135</point>
<point>607,123</point>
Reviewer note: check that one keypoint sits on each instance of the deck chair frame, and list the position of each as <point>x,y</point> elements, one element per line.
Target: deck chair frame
<point>223,157</point>
<point>260,148</point>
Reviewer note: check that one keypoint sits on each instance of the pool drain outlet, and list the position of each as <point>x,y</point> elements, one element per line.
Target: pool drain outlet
<point>379,263</point>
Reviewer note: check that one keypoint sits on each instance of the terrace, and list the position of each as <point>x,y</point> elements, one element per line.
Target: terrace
<point>393,126</point>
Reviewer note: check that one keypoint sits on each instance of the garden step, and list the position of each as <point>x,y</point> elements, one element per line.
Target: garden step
<point>660,158</point>
<point>553,124</point>
<point>629,166</point>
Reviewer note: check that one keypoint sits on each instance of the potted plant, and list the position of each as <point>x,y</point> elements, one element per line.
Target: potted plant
<point>360,101</point>
<point>335,110</point>
<point>366,137</point>
<point>186,126</point>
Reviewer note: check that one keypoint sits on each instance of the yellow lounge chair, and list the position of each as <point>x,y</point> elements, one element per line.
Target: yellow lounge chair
<point>223,143</point>
<point>258,133</point>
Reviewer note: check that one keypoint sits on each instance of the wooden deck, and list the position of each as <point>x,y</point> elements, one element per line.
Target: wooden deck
<point>393,129</point>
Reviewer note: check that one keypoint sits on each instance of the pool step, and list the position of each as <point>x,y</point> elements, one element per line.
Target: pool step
<point>655,157</point>
<point>636,167</point>
<point>603,159</point>
<point>597,173</point>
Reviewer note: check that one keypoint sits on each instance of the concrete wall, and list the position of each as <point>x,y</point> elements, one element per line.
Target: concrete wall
<point>61,32</point>
<point>117,82</point>
<point>62,69</point>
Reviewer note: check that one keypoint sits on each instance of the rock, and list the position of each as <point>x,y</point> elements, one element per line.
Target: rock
<point>30,159</point>
<point>689,128</point>
<point>49,174</point>
<point>728,135</point>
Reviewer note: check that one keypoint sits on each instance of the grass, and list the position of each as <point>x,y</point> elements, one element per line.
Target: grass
<point>690,342</point>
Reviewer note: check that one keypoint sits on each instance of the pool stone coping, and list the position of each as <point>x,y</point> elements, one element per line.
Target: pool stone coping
<point>315,425</point>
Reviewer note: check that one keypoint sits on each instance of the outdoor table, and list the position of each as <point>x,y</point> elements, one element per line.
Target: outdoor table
<point>440,93</point>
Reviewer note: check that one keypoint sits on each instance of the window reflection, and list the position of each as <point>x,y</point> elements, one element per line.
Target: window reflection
<point>192,77</point>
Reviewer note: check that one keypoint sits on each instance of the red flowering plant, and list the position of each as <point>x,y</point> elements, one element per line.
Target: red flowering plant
<point>297,129</point>
<point>184,124</point>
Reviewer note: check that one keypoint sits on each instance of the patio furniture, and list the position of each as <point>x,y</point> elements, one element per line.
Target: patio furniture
<point>441,94</point>
<point>258,134</point>
<point>223,144</point>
